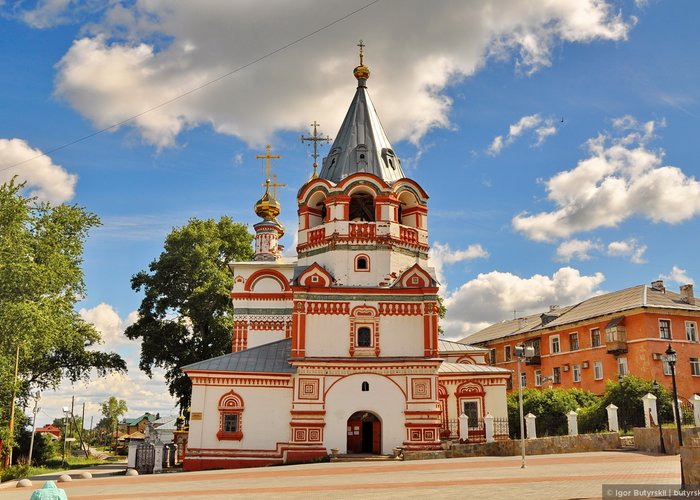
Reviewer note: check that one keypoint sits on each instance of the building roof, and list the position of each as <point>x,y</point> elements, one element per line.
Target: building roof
<point>361,144</point>
<point>137,420</point>
<point>446,367</point>
<point>266,358</point>
<point>449,346</point>
<point>640,296</point>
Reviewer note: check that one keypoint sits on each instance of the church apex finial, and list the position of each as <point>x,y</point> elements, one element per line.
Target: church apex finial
<point>361,72</point>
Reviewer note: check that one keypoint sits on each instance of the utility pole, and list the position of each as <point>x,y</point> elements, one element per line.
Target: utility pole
<point>8,457</point>
<point>37,397</point>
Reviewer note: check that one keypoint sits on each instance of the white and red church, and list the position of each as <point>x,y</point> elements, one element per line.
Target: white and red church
<point>339,348</point>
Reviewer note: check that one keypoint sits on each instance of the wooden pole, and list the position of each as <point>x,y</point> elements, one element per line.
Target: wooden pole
<point>8,457</point>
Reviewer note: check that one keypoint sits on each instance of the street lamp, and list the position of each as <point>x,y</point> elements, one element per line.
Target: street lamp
<point>66,411</point>
<point>37,397</point>
<point>655,386</point>
<point>522,352</point>
<point>671,360</point>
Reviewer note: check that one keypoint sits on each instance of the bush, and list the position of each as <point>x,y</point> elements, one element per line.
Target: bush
<point>627,396</point>
<point>17,471</point>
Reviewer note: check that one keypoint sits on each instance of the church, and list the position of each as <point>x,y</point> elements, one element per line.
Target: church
<point>339,348</point>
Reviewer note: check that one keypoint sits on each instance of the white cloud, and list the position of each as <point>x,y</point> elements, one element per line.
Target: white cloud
<point>140,392</point>
<point>622,177</point>
<point>542,127</point>
<point>144,53</point>
<point>678,275</point>
<point>45,180</point>
<point>441,255</point>
<point>494,296</point>
<point>576,249</point>
<point>628,248</point>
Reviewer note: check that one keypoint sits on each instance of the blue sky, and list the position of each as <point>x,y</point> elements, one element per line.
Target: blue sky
<point>556,141</point>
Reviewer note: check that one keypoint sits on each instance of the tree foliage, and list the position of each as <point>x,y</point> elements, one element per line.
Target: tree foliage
<point>41,279</point>
<point>112,409</point>
<point>186,314</point>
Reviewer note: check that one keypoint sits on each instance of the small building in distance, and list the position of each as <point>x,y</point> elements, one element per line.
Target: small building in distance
<point>49,429</point>
<point>138,424</point>
<point>602,338</point>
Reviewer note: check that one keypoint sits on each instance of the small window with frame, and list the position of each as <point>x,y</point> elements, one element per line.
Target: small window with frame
<point>362,263</point>
<point>364,336</point>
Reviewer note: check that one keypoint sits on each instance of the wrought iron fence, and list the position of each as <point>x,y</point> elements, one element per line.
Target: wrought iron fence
<point>477,430</point>
<point>687,409</point>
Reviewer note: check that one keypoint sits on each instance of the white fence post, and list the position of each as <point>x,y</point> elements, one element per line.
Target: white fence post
<point>612,418</point>
<point>572,421</point>
<point>463,427</point>
<point>530,424</point>
<point>696,409</point>
<point>488,421</point>
<point>650,415</point>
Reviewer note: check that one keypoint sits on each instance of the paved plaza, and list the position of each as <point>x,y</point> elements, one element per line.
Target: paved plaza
<point>567,476</point>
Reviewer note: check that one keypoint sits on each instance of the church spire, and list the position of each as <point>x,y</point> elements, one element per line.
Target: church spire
<point>361,144</point>
<point>269,230</point>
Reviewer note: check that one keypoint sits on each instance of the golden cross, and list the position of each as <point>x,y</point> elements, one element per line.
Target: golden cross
<point>362,46</point>
<point>274,185</point>
<point>268,167</point>
<point>315,140</point>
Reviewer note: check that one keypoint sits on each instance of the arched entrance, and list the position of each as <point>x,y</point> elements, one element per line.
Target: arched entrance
<point>364,433</point>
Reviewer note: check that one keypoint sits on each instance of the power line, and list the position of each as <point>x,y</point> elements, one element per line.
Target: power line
<point>193,90</point>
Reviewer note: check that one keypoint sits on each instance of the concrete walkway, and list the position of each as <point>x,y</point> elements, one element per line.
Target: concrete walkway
<point>567,476</point>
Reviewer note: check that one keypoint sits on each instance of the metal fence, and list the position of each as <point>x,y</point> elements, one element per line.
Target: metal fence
<point>477,430</point>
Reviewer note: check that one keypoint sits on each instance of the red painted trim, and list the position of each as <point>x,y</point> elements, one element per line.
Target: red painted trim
<point>283,280</point>
<point>262,295</point>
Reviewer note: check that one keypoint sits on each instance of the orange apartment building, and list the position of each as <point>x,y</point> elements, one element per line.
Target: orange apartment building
<point>603,338</point>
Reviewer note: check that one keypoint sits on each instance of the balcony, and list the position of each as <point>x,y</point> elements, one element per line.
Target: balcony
<point>616,337</point>
<point>534,360</point>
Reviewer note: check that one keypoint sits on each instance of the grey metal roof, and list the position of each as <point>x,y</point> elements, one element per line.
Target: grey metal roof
<point>449,346</point>
<point>446,367</point>
<point>600,305</point>
<point>266,358</point>
<point>361,144</point>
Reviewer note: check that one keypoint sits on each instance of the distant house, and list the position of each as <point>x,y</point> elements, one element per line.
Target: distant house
<point>138,424</point>
<point>49,429</point>
<point>604,338</point>
<point>165,427</point>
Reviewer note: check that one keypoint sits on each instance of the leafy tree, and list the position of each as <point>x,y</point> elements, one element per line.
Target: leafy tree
<point>550,406</point>
<point>627,396</point>
<point>41,279</point>
<point>112,409</point>
<point>186,314</point>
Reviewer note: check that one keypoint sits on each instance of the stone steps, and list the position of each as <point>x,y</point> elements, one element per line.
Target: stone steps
<point>362,457</point>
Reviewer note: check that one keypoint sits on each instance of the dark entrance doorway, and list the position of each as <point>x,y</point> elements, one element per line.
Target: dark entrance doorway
<point>364,433</point>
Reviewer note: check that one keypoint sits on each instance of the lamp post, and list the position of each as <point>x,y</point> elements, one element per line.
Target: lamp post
<point>37,397</point>
<point>522,352</point>
<point>671,359</point>
<point>66,411</point>
<point>657,393</point>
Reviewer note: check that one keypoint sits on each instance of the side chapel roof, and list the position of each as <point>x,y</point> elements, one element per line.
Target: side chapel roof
<point>267,358</point>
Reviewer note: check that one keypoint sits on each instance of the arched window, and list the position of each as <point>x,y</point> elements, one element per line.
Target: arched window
<point>362,207</point>
<point>365,386</point>
<point>362,263</point>
<point>230,417</point>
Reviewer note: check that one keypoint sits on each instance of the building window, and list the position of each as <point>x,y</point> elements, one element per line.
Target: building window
<point>598,370</point>
<point>364,337</point>
<point>556,375</point>
<point>230,415</point>
<point>538,378</point>
<point>573,341</point>
<point>471,410</point>
<point>595,337</point>
<point>622,370</point>
<point>362,263</point>
<point>554,344</point>
<point>365,386</point>
<point>535,344</point>
<point>506,353</point>
<point>576,373</point>
<point>695,367</point>
<point>667,366</point>
<point>665,329</point>
<point>691,331</point>
<point>492,356</point>
<point>523,379</point>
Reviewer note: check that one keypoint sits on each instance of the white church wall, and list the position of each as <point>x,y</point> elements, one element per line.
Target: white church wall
<point>265,408</point>
<point>401,335</point>
<point>320,329</point>
<point>384,398</point>
<point>260,337</point>
<point>495,401</point>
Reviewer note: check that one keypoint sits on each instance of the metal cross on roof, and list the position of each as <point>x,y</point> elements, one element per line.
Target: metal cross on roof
<point>362,46</point>
<point>268,166</point>
<point>314,139</point>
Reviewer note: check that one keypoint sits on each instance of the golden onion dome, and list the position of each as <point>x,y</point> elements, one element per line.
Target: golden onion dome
<point>267,207</point>
<point>361,72</point>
